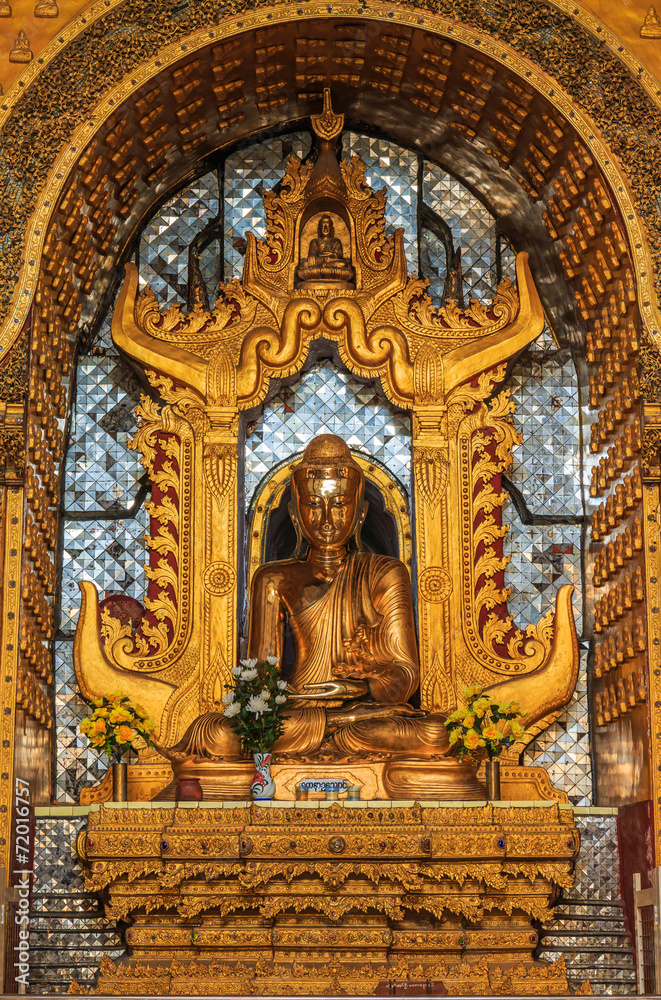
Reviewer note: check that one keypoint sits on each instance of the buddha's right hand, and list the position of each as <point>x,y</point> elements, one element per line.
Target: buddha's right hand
<point>330,690</point>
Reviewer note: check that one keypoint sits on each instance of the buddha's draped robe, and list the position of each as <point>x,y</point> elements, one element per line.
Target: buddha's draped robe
<point>363,624</point>
<point>361,627</point>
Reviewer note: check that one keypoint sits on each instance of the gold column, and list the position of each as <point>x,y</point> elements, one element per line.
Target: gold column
<point>11,528</point>
<point>430,465</point>
<point>651,456</point>
<point>218,549</point>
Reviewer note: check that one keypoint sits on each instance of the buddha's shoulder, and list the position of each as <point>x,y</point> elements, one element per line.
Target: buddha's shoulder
<point>279,569</point>
<point>383,565</point>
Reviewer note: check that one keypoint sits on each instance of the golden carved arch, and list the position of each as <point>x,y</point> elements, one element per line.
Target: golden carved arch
<point>97,120</point>
<point>57,311</point>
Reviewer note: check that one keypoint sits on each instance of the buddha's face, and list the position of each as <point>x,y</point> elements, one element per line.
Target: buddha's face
<point>329,505</point>
<point>325,226</point>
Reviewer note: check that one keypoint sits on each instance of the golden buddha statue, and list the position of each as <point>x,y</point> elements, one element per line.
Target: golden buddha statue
<point>356,667</point>
<point>351,617</point>
<point>325,260</point>
<point>21,52</point>
<point>46,8</point>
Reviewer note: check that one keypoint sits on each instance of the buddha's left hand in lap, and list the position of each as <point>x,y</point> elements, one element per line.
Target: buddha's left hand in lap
<point>363,710</point>
<point>331,690</point>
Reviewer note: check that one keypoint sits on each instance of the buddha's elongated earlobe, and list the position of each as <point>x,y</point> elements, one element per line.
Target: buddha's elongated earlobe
<point>293,513</point>
<point>361,521</point>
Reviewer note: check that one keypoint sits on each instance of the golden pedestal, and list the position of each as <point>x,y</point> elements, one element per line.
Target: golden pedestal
<point>296,898</point>
<point>154,782</point>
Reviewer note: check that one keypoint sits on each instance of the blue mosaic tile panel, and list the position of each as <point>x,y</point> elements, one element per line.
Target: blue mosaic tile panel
<point>56,865</point>
<point>327,401</point>
<point>598,862</point>
<point>395,168</point>
<point>101,474</point>
<point>433,264</point>
<point>507,260</point>
<point>473,229</point>
<point>103,337</point>
<point>248,174</point>
<point>77,765</point>
<point>590,923</point>
<point>210,260</point>
<point>112,554</point>
<point>165,240</point>
<point>542,559</point>
<point>69,935</point>
<point>547,465</point>
<point>564,748</point>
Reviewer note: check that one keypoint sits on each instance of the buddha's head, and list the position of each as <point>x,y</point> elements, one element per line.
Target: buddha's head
<point>328,494</point>
<point>325,228</point>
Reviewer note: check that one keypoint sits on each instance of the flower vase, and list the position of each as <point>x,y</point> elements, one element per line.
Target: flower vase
<point>262,785</point>
<point>492,774</point>
<point>119,781</point>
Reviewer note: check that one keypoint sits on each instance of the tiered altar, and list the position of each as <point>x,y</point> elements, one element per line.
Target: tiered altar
<point>222,897</point>
<point>285,899</point>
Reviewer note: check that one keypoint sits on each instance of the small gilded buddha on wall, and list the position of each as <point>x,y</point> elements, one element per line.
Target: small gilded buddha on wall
<point>325,260</point>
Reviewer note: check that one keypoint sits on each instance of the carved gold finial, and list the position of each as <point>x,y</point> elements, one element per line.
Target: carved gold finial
<point>326,178</point>
<point>5,10</point>
<point>21,52</point>
<point>327,125</point>
<point>47,8</point>
<point>651,25</point>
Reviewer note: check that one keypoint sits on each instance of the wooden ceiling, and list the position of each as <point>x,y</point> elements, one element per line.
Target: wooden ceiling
<point>481,121</point>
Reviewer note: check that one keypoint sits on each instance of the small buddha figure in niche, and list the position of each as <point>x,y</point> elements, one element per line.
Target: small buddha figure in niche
<point>21,52</point>
<point>46,8</point>
<point>325,260</point>
<point>351,616</point>
<point>652,25</point>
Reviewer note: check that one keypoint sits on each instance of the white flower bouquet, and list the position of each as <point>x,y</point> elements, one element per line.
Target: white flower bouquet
<point>254,704</point>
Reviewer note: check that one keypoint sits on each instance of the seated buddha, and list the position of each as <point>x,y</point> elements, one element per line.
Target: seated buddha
<point>350,613</point>
<point>325,260</point>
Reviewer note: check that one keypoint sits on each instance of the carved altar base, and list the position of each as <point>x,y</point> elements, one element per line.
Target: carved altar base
<point>154,781</point>
<point>311,901</point>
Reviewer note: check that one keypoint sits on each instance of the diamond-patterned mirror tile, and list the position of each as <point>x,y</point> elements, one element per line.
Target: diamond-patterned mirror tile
<point>396,169</point>
<point>77,765</point>
<point>433,264</point>
<point>112,554</point>
<point>564,748</point>
<point>546,466</point>
<point>249,173</point>
<point>69,934</point>
<point>165,240</point>
<point>327,401</point>
<point>473,229</point>
<point>101,474</point>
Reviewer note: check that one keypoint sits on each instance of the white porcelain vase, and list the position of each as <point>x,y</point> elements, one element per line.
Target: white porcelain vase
<point>262,785</point>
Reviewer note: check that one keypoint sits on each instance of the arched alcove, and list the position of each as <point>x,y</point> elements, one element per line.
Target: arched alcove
<point>476,110</point>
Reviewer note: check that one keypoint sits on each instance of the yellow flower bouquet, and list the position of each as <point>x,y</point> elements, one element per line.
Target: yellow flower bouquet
<point>483,723</point>
<point>116,724</point>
